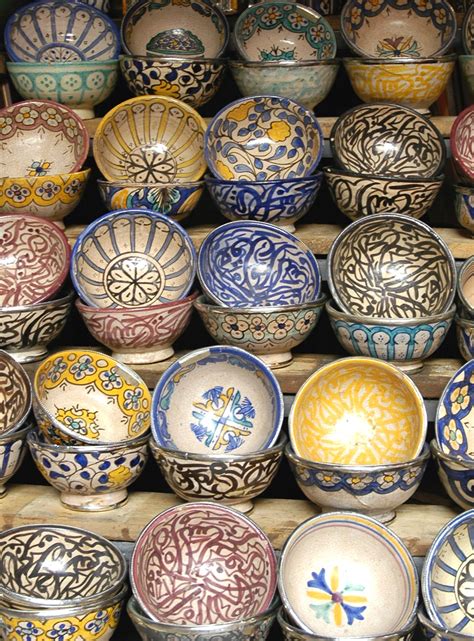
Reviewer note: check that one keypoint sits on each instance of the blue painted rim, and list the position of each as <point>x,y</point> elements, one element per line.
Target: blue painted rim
<point>316,178</point>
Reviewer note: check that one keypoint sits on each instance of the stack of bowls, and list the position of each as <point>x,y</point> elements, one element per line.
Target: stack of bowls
<point>465,317</point>
<point>462,152</point>
<point>63,50</point>
<point>466,61</point>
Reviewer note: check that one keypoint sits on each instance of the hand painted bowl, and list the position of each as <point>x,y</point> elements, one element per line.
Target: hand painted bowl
<point>465,287</point>
<point>194,82</point>
<point>101,5</point>
<point>80,85</point>
<point>468,31</point>
<point>387,140</point>
<point>279,202</point>
<point>81,396</point>
<point>291,147</point>
<point>391,266</point>
<point>225,479</point>
<point>267,332</point>
<point>12,451</point>
<point>40,138</point>
<point>358,411</point>
<point>433,632</point>
<point>464,206</point>
<point>193,30</point>
<point>275,31</point>
<point>90,478</point>
<point>227,574</point>
<point>252,264</point>
<point>456,475</point>
<point>465,337</point>
<point>140,334</point>
<point>133,259</point>
<point>51,31</point>
<point>404,343</point>
<point>56,566</point>
<point>15,395</point>
<point>462,149</point>
<point>193,411</point>
<point>151,139</point>
<point>466,66</point>
<point>346,575</point>
<point>410,29</point>
<point>34,260</point>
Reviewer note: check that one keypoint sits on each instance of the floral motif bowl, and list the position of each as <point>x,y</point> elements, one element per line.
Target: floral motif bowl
<point>391,29</point>
<point>466,65</point>
<point>465,287</point>
<point>253,264</point>
<point>456,475</point>
<point>291,147</point>
<point>41,138</point>
<point>358,411</point>
<point>140,334</point>
<point>12,451</point>
<point>333,577</point>
<point>194,411</point>
<point>51,31</point>
<point>81,396</point>
<point>391,266</point>
<point>151,139</point>
<point>15,395</point>
<point>231,556</point>
<point>465,337</point>
<point>433,632</point>
<point>461,144</point>
<point>468,31</point>
<point>268,332</point>
<point>464,206</point>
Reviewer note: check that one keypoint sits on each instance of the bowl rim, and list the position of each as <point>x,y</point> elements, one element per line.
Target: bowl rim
<point>316,177</point>
<point>18,434</point>
<point>126,183</point>
<point>469,262</point>
<point>449,458</point>
<point>336,171</point>
<point>274,64</point>
<point>33,439</point>
<point>467,190</point>
<point>88,310</point>
<point>465,169</point>
<point>464,322</point>
<point>390,322</point>
<point>433,627</point>
<point>59,67</point>
<point>18,367</point>
<point>82,174</point>
<point>204,304</point>
<point>468,17</point>
<point>443,59</point>
<point>55,302</point>
<point>166,60</point>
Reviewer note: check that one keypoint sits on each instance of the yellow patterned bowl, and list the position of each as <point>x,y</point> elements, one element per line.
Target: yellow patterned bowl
<point>358,411</point>
<point>82,396</point>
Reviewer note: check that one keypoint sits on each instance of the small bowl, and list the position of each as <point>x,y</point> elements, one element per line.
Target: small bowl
<point>141,334</point>
<point>15,395</point>
<point>227,574</point>
<point>391,266</point>
<point>456,475</point>
<point>433,632</point>
<point>169,147</point>
<point>291,147</point>
<point>465,287</point>
<point>90,478</point>
<point>384,139</point>
<point>465,337</point>
<point>252,264</point>
<point>194,412</point>
<point>464,206</point>
<point>373,490</point>
<point>358,411</point>
<point>466,65</point>
<point>461,147</point>
<point>468,31</point>
<point>268,332</point>
<point>133,259</point>
<point>81,396</point>
<point>12,452</point>
<point>344,574</point>
<point>274,31</point>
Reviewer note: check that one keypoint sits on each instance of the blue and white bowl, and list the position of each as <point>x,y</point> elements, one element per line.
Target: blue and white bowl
<point>12,451</point>
<point>464,205</point>
<point>101,5</point>
<point>433,632</point>
<point>456,475</point>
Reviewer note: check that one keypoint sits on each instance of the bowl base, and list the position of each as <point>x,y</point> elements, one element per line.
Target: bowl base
<point>289,227</point>
<point>133,357</point>
<point>410,367</point>
<point>245,506</point>
<point>86,113</point>
<point>274,361</point>
<point>59,223</point>
<point>383,516</point>
<point>28,355</point>
<point>94,502</point>
<point>3,491</point>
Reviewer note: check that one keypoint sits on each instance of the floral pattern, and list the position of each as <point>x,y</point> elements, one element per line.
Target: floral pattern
<point>454,414</point>
<point>335,600</point>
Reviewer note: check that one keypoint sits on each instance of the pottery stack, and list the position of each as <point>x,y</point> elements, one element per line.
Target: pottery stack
<point>465,316</point>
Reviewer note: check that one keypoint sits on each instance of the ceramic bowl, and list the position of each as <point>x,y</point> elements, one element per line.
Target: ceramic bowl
<point>333,577</point>
<point>41,138</point>
<point>466,65</point>
<point>252,264</point>
<point>404,343</point>
<point>80,85</point>
<point>465,337</point>
<point>468,31</point>
<point>231,556</point>
<point>373,490</point>
<point>176,200</point>
<point>151,139</point>
<point>307,83</point>
<point>51,31</point>
<point>388,29</point>
<point>433,632</point>
<point>391,266</point>
<point>133,259</point>
<point>90,478</point>
<point>150,28</point>
<point>358,195</point>
<point>48,197</point>
<point>101,5</point>
<point>291,147</point>
<point>141,334</point>
<point>268,332</point>
<point>12,451</point>
<point>279,202</point>
<point>465,287</point>
<point>194,82</point>
<point>456,475</point>
<point>15,395</point>
<point>81,396</point>
<point>56,566</point>
<point>358,411</point>
<point>385,139</point>
<point>464,206</point>
<point>461,144</point>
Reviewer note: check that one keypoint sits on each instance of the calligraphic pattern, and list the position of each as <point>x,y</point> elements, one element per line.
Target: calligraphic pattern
<point>15,394</point>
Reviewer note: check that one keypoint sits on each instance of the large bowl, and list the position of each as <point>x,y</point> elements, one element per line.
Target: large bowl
<point>12,451</point>
<point>465,337</point>
<point>464,206</point>
<point>468,31</point>
<point>465,287</point>
<point>461,144</point>
<point>15,395</point>
<point>456,475</point>
<point>433,632</point>
<point>466,65</point>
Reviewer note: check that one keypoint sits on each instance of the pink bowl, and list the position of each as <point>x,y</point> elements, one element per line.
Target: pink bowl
<point>462,143</point>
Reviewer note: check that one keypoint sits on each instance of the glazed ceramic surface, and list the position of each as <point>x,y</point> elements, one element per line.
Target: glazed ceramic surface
<point>466,65</point>
<point>433,632</point>
<point>252,264</point>
<point>53,31</point>
<point>12,450</point>
<point>39,138</point>
<point>398,29</point>
<point>101,5</point>
<point>468,31</point>
<point>217,400</point>
<point>232,558</point>
<point>462,147</point>
<point>387,140</point>
<point>15,395</point>
<point>291,140</point>
<point>391,266</point>
<point>333,577</point>
<point>133,258</point>
<point>358,411</point>
<point>465,337</point>
<point>464,205</point>
<point>151,139</point>
<point>465,287</point>
<point>456,475</point>
<point>86,396</point>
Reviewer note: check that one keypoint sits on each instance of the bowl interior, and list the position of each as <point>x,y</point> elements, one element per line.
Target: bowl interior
<point>466,285</point>
<point>15,394</point>
<point>462,134</point>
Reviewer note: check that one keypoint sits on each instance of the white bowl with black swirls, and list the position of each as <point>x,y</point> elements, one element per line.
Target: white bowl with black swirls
<point>465,288</point>
<point>457,476</point>
<point>15,395</point>
<point>12,451</point>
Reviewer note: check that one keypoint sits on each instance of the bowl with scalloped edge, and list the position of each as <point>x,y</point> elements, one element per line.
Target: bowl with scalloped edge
<point>15,395</point>
<point>433,632</point>
<point>12,452</point>
<point>456,476</point>
<point>465,287</point>
<point>468,31</point>
<point>464,206</point>
<point>465,337</point>
<point>461,145</point>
